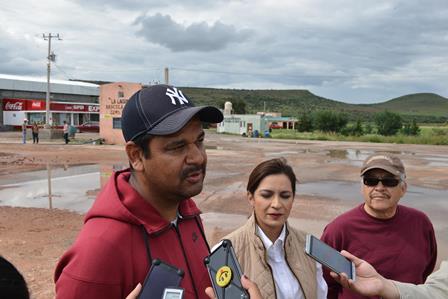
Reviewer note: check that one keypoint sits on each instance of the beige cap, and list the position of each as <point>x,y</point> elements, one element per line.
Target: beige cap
<point>387,162</point>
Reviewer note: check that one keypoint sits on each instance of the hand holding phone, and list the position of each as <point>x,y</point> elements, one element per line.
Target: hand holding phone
<point>162,280</point>
<point>225,272</point>
<point>329,257</point>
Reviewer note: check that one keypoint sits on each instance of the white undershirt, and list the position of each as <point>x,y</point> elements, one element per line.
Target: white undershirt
<point>286,284</point>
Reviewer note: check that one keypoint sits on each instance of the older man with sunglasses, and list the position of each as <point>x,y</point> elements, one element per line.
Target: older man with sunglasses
<point>397,240</point>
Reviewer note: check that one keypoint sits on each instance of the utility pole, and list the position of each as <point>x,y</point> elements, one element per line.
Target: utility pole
<point>167,76</point>
<point>51,57</point>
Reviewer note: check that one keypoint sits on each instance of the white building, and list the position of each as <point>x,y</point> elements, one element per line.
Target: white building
<point>25,98</point>
<point>242,124</point>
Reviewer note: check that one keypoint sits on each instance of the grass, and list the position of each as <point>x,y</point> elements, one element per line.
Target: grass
<point>434,135</point>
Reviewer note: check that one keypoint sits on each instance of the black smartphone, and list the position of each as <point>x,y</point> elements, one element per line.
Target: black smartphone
<point>225,272</point>
<point>329,257</point>
<point>161,276</point>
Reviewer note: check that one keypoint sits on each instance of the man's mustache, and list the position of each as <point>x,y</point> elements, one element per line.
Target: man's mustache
<point>191,169</point>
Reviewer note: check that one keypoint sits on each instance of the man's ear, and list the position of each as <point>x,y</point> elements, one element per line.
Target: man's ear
<point>135,155</point>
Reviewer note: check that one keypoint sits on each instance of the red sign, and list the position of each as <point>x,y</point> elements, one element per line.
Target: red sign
<point>39,105</point>
<point>74,107</point>
<point>13,105</point>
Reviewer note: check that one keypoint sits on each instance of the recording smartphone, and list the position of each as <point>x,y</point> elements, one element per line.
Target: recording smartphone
<point>161,278</point>
<point>329,257</point>
<point>225,272</point>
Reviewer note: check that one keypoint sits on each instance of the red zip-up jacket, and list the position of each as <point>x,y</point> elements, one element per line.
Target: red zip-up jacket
<point>109,256</point>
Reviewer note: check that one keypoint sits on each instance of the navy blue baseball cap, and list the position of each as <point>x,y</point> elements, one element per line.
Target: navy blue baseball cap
<point>162,110</point>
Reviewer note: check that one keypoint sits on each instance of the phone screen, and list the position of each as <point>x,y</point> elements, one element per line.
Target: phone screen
<point>225,272</point>
<point>173,293</point>
<point>161,276</point>
<point>329,256</point>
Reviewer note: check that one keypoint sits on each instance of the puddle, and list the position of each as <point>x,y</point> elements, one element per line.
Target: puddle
<point>214,147</point>
<point>431,201</point>
<point>53,188</point>
<point>75,188</point>
<point>437,160</point>
<point>64,187</point>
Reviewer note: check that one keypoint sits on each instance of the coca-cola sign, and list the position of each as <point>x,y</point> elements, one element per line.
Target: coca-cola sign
<point>13,105</point>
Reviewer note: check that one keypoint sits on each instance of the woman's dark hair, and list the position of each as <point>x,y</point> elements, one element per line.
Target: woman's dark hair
<point>270,167</point>
<point>12,283</point>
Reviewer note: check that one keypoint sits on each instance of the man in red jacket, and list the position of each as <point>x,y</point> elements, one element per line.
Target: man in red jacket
<point>146,212</point>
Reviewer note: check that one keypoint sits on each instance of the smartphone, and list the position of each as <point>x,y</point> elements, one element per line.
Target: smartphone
<point>161,277</point>
<point>225,272</point>
<point>329,257</point>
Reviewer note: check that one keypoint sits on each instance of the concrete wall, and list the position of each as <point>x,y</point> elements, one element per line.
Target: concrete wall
<point>113,97</point>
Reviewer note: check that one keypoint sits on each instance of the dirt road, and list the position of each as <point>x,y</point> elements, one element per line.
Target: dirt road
<point>34,238</point>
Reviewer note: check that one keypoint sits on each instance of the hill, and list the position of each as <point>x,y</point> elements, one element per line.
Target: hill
<point>424,107</point>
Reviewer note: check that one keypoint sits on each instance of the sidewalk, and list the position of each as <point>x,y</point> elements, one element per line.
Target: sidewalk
<point>16,137</point>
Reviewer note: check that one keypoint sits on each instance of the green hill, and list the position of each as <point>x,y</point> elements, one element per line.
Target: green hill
<point>424,107</point>
<point>429,104</point>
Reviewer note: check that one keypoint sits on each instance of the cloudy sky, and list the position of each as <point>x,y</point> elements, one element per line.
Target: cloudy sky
<point>348,50</point>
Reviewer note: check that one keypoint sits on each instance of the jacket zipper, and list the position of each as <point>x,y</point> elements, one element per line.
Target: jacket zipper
<point>185,257</point>
<point>286,259</point>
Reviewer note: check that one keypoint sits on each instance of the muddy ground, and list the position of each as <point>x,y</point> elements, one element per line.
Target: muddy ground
<point>34,238</point>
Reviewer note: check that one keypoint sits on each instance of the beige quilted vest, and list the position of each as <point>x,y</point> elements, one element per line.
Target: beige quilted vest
<point>252,257</point>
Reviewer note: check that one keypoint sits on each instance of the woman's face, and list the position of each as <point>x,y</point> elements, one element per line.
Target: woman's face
<point>272,203</point>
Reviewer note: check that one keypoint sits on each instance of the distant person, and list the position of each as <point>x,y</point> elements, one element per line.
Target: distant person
<point>24,124</point>
<point>370,283</point>
<point>35,131</point>
<point>146,211</point>
<point>66,130</point>
<point>397,240</point>
<point>12,283</point>
<point>270,251</point>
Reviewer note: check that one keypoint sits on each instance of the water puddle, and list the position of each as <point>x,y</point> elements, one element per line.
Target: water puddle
<point>75,188</point>
<point>64,187</point>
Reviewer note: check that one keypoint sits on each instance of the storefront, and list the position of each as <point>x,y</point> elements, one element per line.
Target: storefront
<point>16,110</point>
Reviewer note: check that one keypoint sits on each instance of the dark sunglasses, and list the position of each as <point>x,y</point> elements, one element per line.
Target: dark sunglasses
<point>387,182</point>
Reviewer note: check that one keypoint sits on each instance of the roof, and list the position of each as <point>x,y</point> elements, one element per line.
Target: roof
<point>39,84</point>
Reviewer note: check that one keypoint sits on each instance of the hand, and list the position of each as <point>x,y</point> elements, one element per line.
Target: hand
<point>135,292</point>
<point>368,281</point>
<point>249,285</point>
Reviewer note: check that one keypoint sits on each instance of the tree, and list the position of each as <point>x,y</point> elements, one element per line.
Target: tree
<point>238,105</point>
<point>411,128</point>
<point>329,121</point>
<point>368,129</point>
<point>305,123</point>
<point>388,123</point>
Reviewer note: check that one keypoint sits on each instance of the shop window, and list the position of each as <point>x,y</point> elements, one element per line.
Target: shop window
<point>116,123</point>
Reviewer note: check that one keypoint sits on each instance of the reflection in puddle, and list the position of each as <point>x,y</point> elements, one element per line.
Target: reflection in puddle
<point>64,190</point>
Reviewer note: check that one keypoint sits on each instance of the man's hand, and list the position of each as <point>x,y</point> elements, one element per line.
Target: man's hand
<point>135,292</point>
<point>368,281</point>
<point>249,285</point>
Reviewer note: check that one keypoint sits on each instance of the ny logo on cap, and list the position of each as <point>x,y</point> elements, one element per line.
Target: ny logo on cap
<point>176,94</point>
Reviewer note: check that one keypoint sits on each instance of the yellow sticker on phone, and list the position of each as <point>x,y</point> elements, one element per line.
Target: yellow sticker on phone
<point>223,276</point>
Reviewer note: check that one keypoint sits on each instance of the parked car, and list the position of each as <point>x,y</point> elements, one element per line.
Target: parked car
<point>90,126</point>
<point>275,125</point>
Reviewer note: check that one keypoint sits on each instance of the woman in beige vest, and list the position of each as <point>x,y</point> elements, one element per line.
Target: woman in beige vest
<point>270,252</point>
